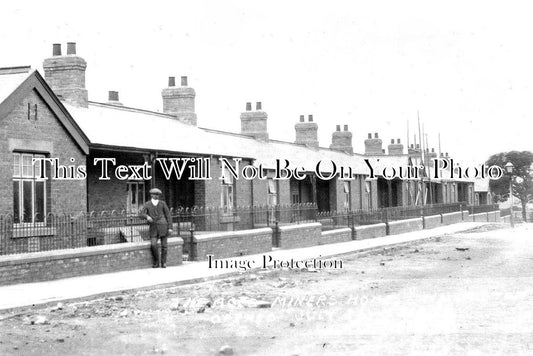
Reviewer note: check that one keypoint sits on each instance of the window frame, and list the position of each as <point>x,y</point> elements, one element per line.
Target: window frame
<point>20,176</point>
<point>227,201</point>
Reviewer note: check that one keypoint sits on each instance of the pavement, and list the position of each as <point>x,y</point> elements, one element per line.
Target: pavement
<point>78,288</point>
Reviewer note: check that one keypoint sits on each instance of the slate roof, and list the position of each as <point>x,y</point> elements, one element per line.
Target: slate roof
<point>120,126</point>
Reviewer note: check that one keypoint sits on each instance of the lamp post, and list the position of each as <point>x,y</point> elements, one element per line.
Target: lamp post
<point>509,169</point>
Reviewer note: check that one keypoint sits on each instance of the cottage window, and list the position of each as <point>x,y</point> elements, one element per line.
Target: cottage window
<point>272,192</point>
<point>29,191</point>
<point>136,194</point>
<point>226,198</point>
<point>346,195</point>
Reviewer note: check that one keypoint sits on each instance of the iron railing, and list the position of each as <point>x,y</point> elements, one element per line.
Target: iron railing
<point>111,227</point>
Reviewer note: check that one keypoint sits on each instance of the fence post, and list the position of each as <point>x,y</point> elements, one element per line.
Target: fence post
<point>352,223</point>
<point>275,234</point>
<point>191,244</point>
<point>178,221</point>
<point>385,220</point>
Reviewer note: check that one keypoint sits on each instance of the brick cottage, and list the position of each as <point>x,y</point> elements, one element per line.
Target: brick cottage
<point>51,117</point>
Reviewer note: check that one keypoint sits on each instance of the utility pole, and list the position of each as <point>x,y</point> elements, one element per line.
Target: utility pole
<point>422,160</point>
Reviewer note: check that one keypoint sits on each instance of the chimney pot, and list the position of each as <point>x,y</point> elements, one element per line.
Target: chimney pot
<point>392,141</point>
<point>417,145</point>
<point>338,127</point>
<point>171,81</point>
<point>369,135</point>
<point>248,106</point>
<point>446,154</point>
<point>56,49</point>
<point>258,106</point>
<point>398,141</point>
<point>302,118</point>
<point>376,135</point>
<point>310,118</point>
<point>345,127</point>
<point>113,95</point>
<point>412,146</point>
<point>71,48</point>
<point>183,81</point>
<point>433,150</point>
<point>382,150</point>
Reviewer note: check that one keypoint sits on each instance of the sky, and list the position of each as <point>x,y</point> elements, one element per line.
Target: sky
<point>465,68</point>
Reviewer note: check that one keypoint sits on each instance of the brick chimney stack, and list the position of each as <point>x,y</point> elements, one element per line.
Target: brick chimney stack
<point>373,146</point>
<point>179,101</point>
<point>254,122</point>
<point>113,98</point>
<point>66,75</point>
<point>395,148</point>
<point>342,140</point>
<point>307,132</point>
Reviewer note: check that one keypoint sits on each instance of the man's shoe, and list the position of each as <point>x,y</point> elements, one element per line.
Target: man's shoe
<point>163,265</point>
<point>155,265</point>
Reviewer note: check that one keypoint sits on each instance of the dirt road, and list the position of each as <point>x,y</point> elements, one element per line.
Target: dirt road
<point>468,293</point>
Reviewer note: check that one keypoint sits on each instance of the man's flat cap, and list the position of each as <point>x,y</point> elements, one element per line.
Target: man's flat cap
<point>155,191</point>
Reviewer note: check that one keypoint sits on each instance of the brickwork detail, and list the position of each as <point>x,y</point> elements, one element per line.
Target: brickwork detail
<point>231,244</point>
<point>303,235</point>
<point>370,231</point>
<point>67,196</point>
<point>432,221</point>
<point>44,266</point>
<point>403,226</point>
<point>452,218</point>
<point>335,236</point>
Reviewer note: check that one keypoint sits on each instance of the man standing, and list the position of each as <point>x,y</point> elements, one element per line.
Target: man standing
<point>157,214</point>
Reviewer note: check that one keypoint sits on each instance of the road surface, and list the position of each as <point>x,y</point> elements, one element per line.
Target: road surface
<point>469,293</point>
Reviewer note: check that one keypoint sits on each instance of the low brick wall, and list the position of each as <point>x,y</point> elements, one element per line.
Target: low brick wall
<point>370,231</point>
<point>466,216</point>
<point>402,226</point>
<point>303,235</point>
<point>49,265</point>
<point>452,218</point>
<point>334,236</point>
<point>431,222</point>
<point>232,243</point>
<point>481,217</point>
<point>506,219</point>
<point>493,216</point>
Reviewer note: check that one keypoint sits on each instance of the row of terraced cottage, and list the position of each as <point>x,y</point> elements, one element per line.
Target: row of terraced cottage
<point>51,117</point>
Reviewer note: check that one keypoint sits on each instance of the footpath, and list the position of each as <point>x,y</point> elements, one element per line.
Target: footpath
<point>31,294</point>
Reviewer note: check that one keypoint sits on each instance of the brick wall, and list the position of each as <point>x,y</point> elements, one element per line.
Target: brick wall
<point>334,236</point>
<point>466,216</point>
<point>432,221</point>
<point>43,266</point>
<point>493,216</point>
<point>231,244</point>
<point>284,194</point>
<point>402,226</point>
<point>260,188</point>
<point>506,219</point>
<point>303,235</point>
<point>452,218</point>
<point>370,231</point>
<point>481,217</point>
<point>44,135</point>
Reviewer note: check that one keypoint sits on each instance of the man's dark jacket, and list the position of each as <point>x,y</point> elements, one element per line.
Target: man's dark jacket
<point>160,214</point>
